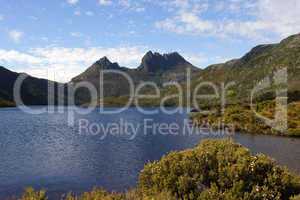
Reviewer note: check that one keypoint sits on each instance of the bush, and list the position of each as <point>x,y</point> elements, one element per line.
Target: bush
<point>296,197</point>
<point>4,103</point>
<point>31,194</point>
<point>100,194</point>
<point>218,169</point>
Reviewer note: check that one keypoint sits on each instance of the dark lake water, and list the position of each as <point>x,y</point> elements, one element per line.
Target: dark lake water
<point>44,151</point>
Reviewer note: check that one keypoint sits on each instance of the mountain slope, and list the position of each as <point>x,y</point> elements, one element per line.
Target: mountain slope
<point>262,61</point>
<point>34,91</point>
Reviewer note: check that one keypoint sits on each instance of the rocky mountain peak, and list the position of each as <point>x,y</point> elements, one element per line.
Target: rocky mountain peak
<point>149,54</point>
<point>105,63</point>
<point>175,57</point>
<point>153,62</point>
<point>93,71</point>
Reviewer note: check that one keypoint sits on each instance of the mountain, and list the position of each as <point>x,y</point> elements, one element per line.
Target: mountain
<point>262,61</point>
<point>155,62</point>
<point>155,67</point>
<point>93,71</point>
<point>246,72</point>
<point>34,91</point>
<point>152,64</point>
<point>166,67</point>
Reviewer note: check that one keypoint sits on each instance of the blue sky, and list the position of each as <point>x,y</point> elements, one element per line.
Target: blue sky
<point>58,39</point>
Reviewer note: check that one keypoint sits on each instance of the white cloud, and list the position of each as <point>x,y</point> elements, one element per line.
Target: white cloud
<point>72,2</point>
<point>33,18</point>
<point>76,34</point>
<point>45,39</point>
<point>124,3</point>
<point>15,35</point>
<point>140,9</point>
<point>105,2</point>
<point>201,60</point>
<point>62,64</point>
<point>89,13</point>
<point>253,19</point>
<point>136,6</point>
<point>281,17</point>
<point>188,23</point>
<point>8,56</point>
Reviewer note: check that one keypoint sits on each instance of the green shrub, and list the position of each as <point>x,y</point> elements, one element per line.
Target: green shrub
<point>295,197</point>
<point>31,194</point>
<point>96,194</point>
<point>4,103</point>
<point>218,169</point>
<point>100,194</point>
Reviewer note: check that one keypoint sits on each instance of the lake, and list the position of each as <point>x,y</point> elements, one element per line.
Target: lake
<point>46,151</point>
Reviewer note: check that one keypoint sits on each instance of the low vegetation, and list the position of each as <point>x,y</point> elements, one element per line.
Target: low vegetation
<point>214,170</point>
<point>243,119</point>
<point>4,103</point>
<point>31,194</point>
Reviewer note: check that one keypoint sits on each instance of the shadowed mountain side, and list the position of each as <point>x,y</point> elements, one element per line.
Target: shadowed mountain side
<point>34,91</point>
